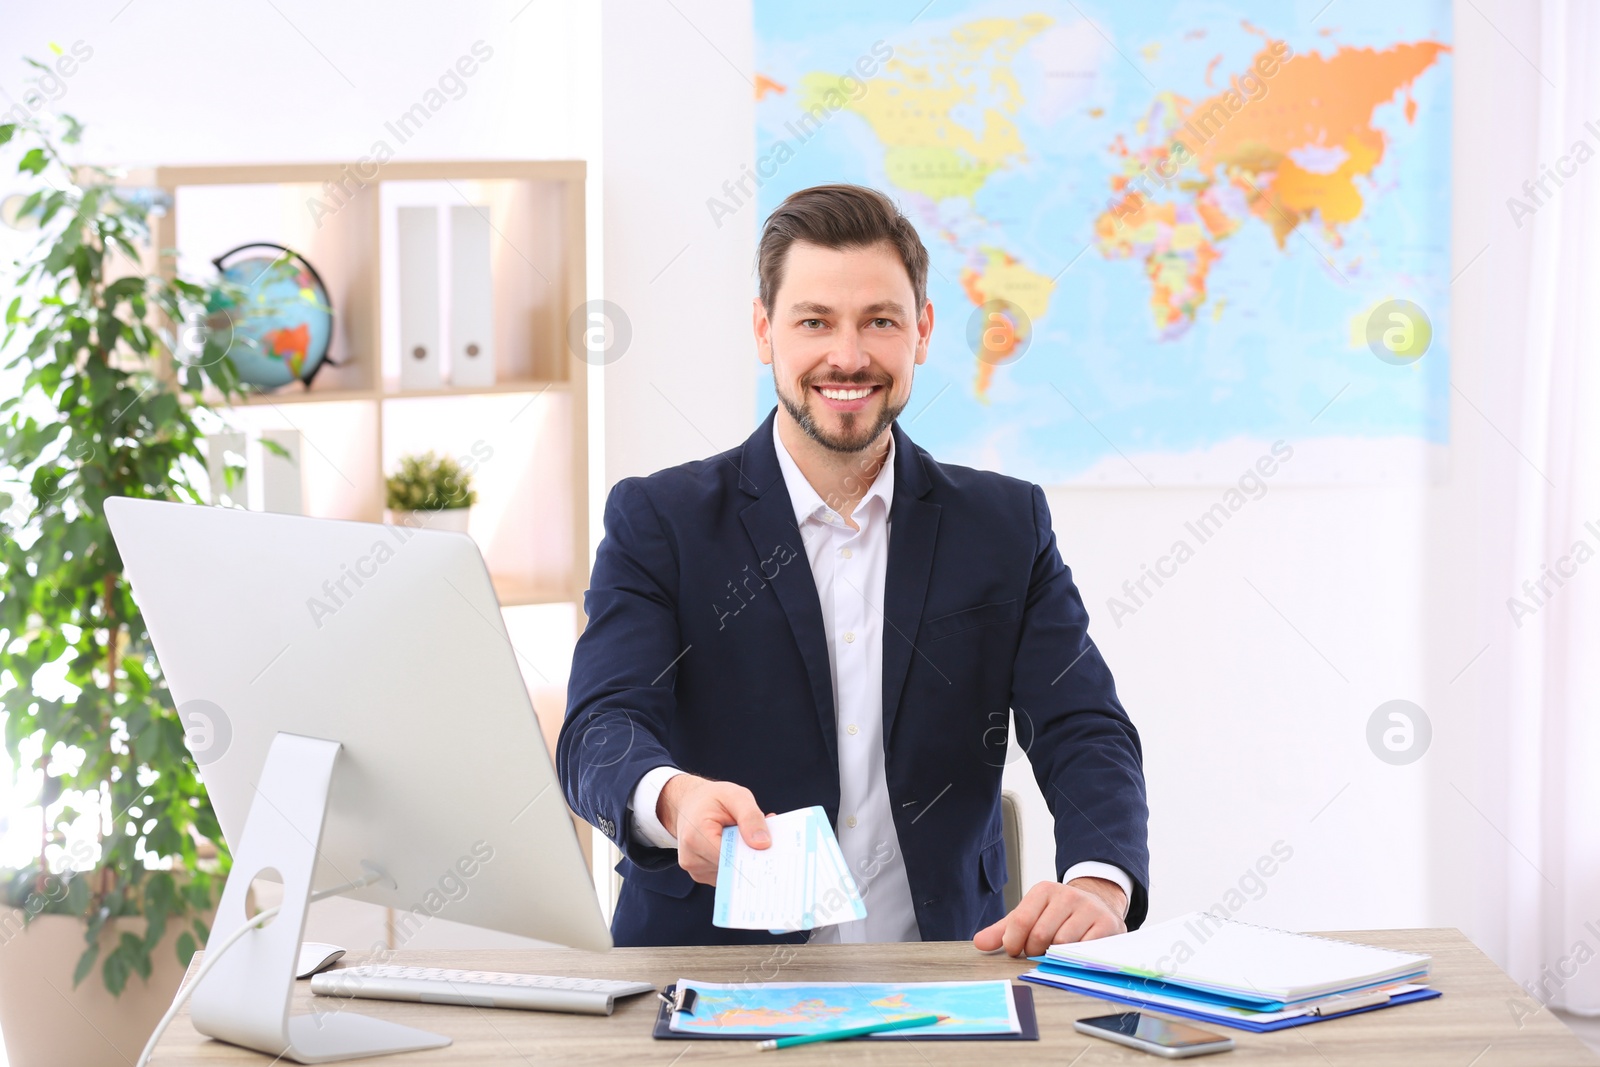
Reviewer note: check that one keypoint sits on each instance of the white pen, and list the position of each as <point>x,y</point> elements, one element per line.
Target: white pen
<point>1344,1004</point>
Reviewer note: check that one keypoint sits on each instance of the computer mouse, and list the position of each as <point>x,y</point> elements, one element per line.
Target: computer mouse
<point>316,956</point>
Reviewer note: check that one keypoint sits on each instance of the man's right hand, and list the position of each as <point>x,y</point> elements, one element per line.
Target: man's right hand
<point>696,809</point>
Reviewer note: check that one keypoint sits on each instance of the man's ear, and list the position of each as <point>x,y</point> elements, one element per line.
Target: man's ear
<point>924,331</point>
<point>762,326</point>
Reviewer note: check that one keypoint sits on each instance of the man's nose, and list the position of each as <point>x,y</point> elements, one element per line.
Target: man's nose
<point>849,355</point>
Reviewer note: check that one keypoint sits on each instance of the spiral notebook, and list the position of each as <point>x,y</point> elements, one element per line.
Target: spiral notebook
<point>1221,961</point>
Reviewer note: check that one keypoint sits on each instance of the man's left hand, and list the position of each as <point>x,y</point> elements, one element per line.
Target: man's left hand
<point>1052,914</point>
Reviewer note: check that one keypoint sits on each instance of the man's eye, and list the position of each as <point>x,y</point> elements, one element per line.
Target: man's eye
<point>884,324</point>
<point>810,323</point>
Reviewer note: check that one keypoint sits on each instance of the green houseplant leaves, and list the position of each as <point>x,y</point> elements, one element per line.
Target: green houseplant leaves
<point>430,482</point>
<point>116,362</point>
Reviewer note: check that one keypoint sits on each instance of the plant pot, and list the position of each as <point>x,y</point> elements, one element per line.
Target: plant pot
<point>452,519</point>
<point>47,1023</point>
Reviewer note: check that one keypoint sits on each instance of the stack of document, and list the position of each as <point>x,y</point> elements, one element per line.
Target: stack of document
<point>1204,966</point>
<point>799,882</point>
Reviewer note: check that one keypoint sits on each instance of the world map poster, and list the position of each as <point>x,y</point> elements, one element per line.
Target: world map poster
<point>1171,242</point>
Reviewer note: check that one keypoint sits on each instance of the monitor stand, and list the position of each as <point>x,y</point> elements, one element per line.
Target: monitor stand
<point>245,998</point>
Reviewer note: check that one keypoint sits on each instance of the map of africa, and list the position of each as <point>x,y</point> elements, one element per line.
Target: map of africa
<point>1163,237</point>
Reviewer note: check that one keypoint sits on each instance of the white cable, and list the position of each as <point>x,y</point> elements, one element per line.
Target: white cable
<point>215,954</point>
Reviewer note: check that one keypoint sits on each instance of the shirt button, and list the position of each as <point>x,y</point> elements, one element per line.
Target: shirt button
<point>852,729</point>
<point>845,552</point>
<point>849,636</point>
<point>851,822</point>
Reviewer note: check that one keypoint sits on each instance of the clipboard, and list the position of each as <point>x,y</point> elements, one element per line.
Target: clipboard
<point>1021,996</point>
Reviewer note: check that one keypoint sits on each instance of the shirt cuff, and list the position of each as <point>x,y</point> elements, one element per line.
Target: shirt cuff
<point>648,828</point>
<point>1096,869</point>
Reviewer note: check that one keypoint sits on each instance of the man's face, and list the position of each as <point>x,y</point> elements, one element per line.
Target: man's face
<point>843,339</point>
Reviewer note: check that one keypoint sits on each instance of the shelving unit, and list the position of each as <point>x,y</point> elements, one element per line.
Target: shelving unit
<point>531,524</point>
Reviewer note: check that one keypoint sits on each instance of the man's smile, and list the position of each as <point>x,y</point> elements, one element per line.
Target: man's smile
<point>846,397</point>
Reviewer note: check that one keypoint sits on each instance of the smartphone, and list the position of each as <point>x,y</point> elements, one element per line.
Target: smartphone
<point>1160,1037</point>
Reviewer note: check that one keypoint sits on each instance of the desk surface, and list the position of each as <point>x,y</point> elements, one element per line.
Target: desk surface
<point>1475,1023</point>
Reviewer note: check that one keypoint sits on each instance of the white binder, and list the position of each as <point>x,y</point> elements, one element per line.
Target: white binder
<point>268,481</point>
<point>471,297</point>
<point>282,488</point>
<point>217,445</point>
<point>418,244</point>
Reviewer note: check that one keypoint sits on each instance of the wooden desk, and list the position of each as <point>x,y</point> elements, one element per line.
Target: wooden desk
<point>1472,1025</point>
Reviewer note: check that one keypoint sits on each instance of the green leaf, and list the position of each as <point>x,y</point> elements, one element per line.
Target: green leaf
<point>32,202</point>
<point>115,970</point>
<point>186,948</point>
<point>138,956</point>
<point>33,161</point>
<point>6,131</point>
<point>85,963</point>
<point>160,894</point>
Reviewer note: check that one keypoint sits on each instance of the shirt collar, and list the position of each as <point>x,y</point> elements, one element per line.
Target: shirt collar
<point>807,502</point>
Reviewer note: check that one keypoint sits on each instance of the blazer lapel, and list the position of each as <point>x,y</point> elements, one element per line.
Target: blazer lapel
<point>769,520</point>
<point>913,529</point>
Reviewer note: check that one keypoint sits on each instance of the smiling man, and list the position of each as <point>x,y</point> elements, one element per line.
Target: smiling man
<point>828,615</point>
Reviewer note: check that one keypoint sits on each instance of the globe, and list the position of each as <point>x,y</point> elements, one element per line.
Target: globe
<point>279,327</point>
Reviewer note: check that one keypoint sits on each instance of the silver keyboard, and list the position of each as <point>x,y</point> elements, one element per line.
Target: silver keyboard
<point>482,989</point>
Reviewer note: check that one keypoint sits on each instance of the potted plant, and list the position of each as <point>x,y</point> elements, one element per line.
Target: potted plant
<point>114,362</point>
<point>433,491</point>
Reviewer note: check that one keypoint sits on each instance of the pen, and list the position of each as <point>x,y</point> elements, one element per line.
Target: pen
<point>1341,1005</point>
<point>855,1031</point>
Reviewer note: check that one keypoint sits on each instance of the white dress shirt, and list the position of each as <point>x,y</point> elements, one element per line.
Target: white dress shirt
<point>849,567</point>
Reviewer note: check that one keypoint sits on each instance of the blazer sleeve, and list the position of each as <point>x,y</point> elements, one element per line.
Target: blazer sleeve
<point>1084,749</point>
<point>620,695</point>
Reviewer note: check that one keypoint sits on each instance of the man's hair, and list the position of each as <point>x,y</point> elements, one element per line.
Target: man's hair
<point>839,216</point>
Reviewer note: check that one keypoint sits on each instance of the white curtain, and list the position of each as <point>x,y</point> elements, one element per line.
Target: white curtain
<point>1551,675</point>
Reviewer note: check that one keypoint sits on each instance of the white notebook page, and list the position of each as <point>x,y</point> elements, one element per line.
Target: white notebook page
<point>1208,951</point>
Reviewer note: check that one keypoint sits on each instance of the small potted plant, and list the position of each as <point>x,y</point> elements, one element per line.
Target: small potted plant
<point>433,491</point>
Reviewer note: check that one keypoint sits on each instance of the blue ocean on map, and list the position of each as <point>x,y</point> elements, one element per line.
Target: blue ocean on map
<point>1164,236</point>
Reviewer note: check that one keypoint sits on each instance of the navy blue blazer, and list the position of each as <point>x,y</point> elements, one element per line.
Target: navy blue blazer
<point>705,649</point>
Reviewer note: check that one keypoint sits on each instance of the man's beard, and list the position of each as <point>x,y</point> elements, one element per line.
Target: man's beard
<point>851,440</point>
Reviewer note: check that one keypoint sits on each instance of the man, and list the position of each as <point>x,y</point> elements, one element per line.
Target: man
<point>827,615</point>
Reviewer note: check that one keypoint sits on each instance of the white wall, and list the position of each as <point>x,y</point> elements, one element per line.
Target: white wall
<point>678,122</point>
<point>1252,702</point>
<point>182,81</point>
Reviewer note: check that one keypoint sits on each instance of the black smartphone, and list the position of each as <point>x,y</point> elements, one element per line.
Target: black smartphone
<point>1160,1037</point>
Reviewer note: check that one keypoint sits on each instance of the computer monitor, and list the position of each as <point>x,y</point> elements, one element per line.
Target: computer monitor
<point>354,704</point>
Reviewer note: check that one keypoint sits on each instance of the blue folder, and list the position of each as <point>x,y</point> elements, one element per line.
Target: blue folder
<point>1199,1014</point>
<point>1137,983</point>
